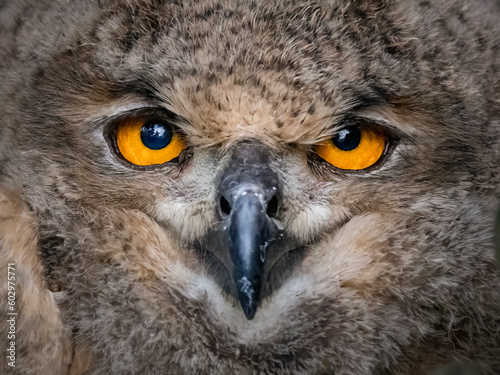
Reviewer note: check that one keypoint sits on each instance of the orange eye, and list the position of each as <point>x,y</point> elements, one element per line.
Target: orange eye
<point>353,148</point>
<point>148,142</point>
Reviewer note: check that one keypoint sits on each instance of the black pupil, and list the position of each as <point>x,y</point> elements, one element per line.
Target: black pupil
<point>156,135</point>
<point>347,139</point>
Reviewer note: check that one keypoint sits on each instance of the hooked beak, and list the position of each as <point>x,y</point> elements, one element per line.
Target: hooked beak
<point>251,231</point>
<point>247,239</point>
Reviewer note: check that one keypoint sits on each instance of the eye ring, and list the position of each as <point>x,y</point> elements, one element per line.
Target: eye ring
<point>354,148</point>
<point>147,141</point>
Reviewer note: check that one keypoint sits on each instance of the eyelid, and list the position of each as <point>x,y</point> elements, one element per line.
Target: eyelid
<point>393,126</point>
<point>155,113</point>
<point>394,134</point>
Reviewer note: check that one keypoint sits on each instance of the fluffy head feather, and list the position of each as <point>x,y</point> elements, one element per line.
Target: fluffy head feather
<point>398,271</point>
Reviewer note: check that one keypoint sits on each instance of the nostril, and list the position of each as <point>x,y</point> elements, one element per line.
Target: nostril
<point>225,207</point>
<point>272,207</point>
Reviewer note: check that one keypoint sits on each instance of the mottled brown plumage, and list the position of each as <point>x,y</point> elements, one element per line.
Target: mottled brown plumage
<point>396,271</point>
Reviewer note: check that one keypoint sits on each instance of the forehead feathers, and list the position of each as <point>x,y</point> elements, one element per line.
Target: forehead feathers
<point>284,72</point>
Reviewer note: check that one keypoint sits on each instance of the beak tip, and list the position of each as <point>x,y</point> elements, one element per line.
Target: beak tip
<point>249,306</point>
<point>248,295</point>
<point>249,311</point>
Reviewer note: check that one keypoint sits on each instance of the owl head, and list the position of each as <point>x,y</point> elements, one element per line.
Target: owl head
<point>233,187</point>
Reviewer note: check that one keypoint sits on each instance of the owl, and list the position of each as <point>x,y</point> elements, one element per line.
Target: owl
<point>248,186</point>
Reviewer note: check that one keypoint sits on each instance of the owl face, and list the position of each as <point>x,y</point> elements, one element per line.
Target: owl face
<point>237,186</point>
